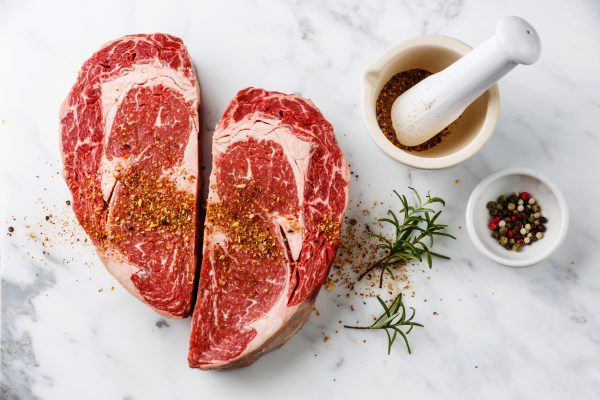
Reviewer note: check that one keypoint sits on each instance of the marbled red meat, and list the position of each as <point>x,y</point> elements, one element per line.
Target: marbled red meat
<point>129,139</point>
<point>278,192</point>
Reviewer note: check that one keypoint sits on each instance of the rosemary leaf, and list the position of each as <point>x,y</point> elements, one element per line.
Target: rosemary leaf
<point>418,224</point>
<point>393,319</point>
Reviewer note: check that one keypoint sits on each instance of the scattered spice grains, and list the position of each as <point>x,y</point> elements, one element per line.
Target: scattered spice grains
<point>50,230</point>
<point>397,85</point>
<point>516,220</point>
<point>357,251</point>
<point>329,284</point>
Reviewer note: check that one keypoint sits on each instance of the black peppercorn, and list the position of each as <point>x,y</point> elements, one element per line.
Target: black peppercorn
<point>542,228</point>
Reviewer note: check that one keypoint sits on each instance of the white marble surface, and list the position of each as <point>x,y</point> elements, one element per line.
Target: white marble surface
<point>500,333</point>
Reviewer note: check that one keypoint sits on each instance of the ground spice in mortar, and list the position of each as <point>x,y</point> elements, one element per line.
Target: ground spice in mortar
<point>397,85</point>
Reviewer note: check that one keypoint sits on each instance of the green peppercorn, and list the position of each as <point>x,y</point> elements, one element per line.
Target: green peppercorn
<point>499,206</point>
<point>535,208</point>
<point>503,231</point>
<point>516,247</point>
<point>501,199</point>
<point>491,205</point>
<point>531,219</point>
<point>503,240</point>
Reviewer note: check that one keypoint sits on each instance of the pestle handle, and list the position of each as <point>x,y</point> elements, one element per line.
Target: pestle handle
<point>434,103</point>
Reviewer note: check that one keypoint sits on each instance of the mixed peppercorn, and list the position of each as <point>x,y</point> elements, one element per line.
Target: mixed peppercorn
<point>516,220</point>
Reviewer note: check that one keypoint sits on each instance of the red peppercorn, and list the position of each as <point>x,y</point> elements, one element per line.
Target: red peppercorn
<point>524,196</point>
<point>520,242</point>
<point>513,218</point>
<point>496,219</point>
<point>510,234</point>
<point>492,226</point>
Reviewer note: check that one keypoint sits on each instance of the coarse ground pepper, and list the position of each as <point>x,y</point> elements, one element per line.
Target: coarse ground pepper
<point>330,227</point>
<point>397,85</point>
<point>153,204</point>
<point>244,222</point>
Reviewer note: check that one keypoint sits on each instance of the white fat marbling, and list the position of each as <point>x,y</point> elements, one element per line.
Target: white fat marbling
<point>499,333</point>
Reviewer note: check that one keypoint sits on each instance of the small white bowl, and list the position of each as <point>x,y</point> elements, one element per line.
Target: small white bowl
<point>433,53</point>
<point>552,202</point>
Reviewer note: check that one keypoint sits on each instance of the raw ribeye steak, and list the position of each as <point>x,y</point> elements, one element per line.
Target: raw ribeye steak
<point>129,140</point>
<point>278,191</point>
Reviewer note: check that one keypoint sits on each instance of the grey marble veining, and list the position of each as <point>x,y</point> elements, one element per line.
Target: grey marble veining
<point>490,332</point>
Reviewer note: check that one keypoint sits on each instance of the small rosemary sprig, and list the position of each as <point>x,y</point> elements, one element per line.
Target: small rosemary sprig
<point>418,224</point>
<point>393,321</point>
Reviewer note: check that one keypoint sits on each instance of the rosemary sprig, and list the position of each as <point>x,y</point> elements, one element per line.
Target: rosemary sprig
<point>393,321</point>
<point>418,225</point>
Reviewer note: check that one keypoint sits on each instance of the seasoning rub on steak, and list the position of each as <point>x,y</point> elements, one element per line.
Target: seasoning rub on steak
<point>278,192</point>
<point>129,137</point>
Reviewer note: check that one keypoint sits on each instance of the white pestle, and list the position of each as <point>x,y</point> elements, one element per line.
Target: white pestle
<point>434,103</point>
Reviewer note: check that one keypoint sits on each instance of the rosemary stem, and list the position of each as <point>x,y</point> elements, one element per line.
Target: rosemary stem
<point>372,267</point>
